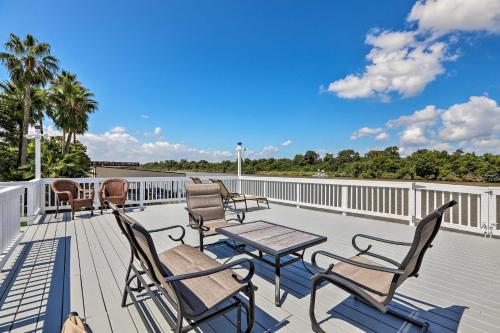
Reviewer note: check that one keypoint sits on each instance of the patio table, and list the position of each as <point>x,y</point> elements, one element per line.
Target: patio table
<point>275,240</point>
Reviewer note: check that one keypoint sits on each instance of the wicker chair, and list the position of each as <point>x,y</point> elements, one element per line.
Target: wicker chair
<point>197,287</point>
<point>114,191</point>
<point>69,191</point>
<point>373,283</point>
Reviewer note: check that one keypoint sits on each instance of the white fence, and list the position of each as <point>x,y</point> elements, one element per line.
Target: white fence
<point>10,214</point>
<point>478,208</point>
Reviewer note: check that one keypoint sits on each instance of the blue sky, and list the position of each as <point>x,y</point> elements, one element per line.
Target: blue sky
<point>211,73</point>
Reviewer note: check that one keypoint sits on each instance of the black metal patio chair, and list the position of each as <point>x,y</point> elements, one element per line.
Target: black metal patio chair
<point>196,286</point>
<point>371,282</point>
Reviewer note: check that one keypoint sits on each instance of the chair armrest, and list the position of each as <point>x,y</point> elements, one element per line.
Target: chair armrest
<point>351,262</point>
<point>180,238</point>
<point>246,279</point>
<point>197,218</point>
<point>239,217</point>
<point>68,193</point>
<point>382,240</point>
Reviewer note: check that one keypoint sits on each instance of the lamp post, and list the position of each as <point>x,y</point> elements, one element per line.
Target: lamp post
<point>239,150</point>
<point>38,155</point>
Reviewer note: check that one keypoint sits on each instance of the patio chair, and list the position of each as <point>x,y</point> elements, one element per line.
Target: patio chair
<point>196,286</point>
<point>69,191</point>
<point>235,197</point>
<point>371,282</point>
<point>114,191</point>
<point>206,210</point>
<point>196,180</point>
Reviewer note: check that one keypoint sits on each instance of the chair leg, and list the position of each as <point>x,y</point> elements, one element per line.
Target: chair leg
<point>314,323</point>
<point>57,208</point>
<point>246,207</point>
<point>201,242</point>
<point>238,319</point>
<point>178,323</point>
<point>424,326</point>
<point>250,307</point>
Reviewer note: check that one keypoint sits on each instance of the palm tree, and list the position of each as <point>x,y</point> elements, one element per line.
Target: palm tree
<point>72,103</point>
<point>12,108</point>
<point>29,63</point>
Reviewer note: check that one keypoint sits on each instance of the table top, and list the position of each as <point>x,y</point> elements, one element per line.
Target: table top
<point>271,238</point>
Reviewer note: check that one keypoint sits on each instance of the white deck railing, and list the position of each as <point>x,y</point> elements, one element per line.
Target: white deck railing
<point>10,215</point>
<point>478,208</point>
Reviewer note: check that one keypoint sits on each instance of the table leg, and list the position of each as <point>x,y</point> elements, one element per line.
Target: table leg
<point>277,282</point>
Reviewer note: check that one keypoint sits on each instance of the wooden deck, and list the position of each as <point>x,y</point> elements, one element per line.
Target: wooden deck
<point>63,265</point>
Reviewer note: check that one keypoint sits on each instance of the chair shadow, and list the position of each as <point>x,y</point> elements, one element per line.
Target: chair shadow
<point>36,286</point>
<point>367,318</point>
<point>295,278</point>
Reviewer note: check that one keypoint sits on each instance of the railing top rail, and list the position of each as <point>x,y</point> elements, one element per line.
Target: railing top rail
<point>136,179</point>
<point>374,183</point>
<point>9,190</point>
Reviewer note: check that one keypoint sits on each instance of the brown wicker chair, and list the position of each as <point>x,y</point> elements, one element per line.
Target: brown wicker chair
<point>114,191</point>
<point>235,197</point>
<point>374,283</point>
<point>197,287</point>
<point>206,211</point>
<point>69,191</point>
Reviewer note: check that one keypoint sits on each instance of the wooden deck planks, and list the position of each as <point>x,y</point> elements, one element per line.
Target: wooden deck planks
<point>64,265</point>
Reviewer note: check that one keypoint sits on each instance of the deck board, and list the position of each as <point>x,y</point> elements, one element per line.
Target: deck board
<point>63,265</point>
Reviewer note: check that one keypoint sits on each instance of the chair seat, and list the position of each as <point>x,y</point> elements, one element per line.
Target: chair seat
<point>375,283</point>
<point>201,294</point>
<point>254,197</point>
<point>214,224</point>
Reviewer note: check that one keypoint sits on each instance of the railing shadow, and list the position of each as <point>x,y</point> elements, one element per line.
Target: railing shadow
<point>32,294</point>
<point>367,318</point>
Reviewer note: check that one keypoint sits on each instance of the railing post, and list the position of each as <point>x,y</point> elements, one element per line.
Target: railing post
<point>344,197</point>
<point>30,203</point>
<point>265,188</point>
<point>414,201</point>
<point>298,194</point>
<point>142,190</point>
<point>96,194</point>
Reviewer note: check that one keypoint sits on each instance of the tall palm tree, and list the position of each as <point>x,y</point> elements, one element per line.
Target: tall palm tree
<point>72,103</point>
<point>30,63</point>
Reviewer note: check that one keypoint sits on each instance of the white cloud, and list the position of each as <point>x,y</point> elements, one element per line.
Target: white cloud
<point>366,131</point>
<point>441,17</point>
<point>424,118</point>
<point>118,129</point>
<point>125,147</point>
<point>157,131</point>
<point>382,137</point>
<point>413,136</point>
<point>472,126</point>
<point>144,116</point>
<point>398,64</point>
<point>270,149</point>
<point>405,62</point>
<point>286,143</point>
<point>477,118</point>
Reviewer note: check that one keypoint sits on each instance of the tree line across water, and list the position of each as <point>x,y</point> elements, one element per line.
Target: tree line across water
<point>38,89</point>
<point>376,164</point>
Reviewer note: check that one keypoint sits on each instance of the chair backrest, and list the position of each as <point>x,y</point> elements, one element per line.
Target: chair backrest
<point>115,187</point>
<point>425,233</point>
<point>196,180</point>
<point>223,189</point>
<point>141,243</point>
<point>62,185</point>
<point>205,199</point>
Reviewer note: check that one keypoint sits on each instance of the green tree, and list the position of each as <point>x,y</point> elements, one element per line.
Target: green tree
<point>71,105</point>
<point>29,63</point>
